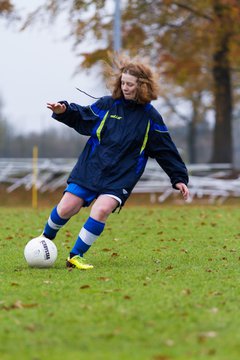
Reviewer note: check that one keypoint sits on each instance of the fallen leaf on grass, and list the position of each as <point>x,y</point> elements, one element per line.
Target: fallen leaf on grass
<point>215,293</point>
<point>68,234</point>
<point>106,249</point>
<point>186,292</point>
<point>206,335</point>
<point>161,357</point>
<point>170,267</point>
<point>114,254</point>
<point>111,290</point>
<point>30,327</point>
<point>66,244</point>
<point>18,305</point>
<point>102,278</point>
<point>213,310</point>
<point>114,333</point>
<point>27,306</point>
<point>211,352</point>
<point>85,287</point>
<point>14,284</point>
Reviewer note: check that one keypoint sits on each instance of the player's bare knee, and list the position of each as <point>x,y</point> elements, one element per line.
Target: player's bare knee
<point>101,211</point>
<point>66,211</point>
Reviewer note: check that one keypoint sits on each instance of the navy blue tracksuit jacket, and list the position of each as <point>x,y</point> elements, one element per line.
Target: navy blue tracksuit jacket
<point>122,135</point>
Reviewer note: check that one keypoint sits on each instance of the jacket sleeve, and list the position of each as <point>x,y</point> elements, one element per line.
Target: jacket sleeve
<point>80,118</point>
<point>161,147</point>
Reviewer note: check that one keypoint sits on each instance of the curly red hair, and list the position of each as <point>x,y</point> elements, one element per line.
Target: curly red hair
<point>147,89</point>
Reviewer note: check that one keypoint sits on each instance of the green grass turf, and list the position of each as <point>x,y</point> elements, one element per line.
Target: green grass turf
<point>165,286</point>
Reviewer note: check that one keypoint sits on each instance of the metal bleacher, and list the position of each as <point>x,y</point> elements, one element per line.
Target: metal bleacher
<point>206,180</point>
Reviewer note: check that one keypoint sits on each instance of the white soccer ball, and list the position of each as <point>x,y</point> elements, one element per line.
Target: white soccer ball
<point>40,252</point>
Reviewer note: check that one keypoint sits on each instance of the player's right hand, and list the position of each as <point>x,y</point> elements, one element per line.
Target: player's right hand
<point>57,108</point>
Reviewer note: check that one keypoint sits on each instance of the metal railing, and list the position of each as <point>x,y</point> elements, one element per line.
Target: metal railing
<point>205,179</point>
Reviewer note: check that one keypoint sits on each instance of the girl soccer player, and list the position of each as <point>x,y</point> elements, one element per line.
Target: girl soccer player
<point>124,129</point>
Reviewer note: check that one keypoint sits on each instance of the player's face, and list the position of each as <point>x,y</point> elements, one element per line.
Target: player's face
<point>129,86</point>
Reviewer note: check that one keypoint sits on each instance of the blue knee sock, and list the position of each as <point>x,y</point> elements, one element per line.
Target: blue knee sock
<point>88,234</point>
<point>54,224</point>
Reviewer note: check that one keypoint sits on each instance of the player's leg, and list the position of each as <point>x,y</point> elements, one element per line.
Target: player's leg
<point>92,229</point>
<point>69,205</point>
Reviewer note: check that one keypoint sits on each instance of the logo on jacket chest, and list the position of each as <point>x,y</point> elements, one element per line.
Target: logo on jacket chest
<point>116,117</point>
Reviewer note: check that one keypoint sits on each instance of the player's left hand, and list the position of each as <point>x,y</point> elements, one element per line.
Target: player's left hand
<point>183,189</point>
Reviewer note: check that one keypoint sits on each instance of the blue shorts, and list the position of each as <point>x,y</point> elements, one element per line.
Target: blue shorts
<point>88,195</point>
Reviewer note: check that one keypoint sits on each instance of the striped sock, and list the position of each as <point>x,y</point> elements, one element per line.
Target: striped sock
<point>54,224</point>
<point>88,234</point>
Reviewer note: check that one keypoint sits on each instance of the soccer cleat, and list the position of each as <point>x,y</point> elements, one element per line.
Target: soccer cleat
<point>42,236</point>
<point>78,262</point>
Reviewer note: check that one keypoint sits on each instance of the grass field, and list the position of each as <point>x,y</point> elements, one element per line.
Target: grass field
<point>165,286</point>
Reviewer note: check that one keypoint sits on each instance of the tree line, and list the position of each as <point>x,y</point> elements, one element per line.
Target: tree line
<point>194,45</point>
<point>51,143</point>
<point>67,143</point>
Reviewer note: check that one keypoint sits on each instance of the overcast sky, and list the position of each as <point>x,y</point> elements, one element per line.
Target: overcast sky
<point>38,66</point>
